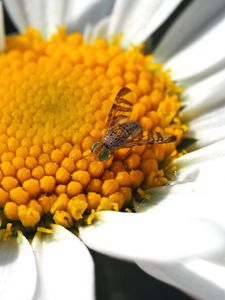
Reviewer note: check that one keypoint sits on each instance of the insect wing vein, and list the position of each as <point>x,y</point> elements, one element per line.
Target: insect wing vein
<point>120,109</point>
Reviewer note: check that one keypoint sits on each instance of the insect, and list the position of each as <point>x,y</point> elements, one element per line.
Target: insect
<point>124,133</point>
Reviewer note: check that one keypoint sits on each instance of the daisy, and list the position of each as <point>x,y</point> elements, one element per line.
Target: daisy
<point>180,238</point>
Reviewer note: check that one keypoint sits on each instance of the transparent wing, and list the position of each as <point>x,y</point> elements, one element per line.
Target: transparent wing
<point>121,108</point>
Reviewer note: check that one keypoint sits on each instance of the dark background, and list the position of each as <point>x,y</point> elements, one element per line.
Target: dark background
<point>116,279</point>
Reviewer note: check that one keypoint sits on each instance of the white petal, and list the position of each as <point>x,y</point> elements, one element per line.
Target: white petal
<point>157,271</point>
<point>79,13</point>
<point>65,267</point>
<point>204,96</point>
<point>198,190</point>
<point>153,236</point>
<point>17,269</point>
<point>87,32</point>
<point>99,30</point>
<point>207,155</point>
<point>187,220</point>
<point>187,26</point>
<point>17,13</point>
<point>41,14</point>
<point>207,129</point>
<point>213,272</point>
<point>200,278</point>
<point>138,19</point>
<point>205,110</point>
<point>202,57</point>
<point>198,193</point>
<point>48,15</point>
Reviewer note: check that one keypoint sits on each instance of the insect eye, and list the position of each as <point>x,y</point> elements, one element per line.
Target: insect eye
<point>95,145</point>
<point>104,154</point>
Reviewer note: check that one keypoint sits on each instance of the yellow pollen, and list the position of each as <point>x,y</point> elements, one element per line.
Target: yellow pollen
<point>90,218</point>
<point>7,232</point>
<point>55,99</point>
<point>44,230</point>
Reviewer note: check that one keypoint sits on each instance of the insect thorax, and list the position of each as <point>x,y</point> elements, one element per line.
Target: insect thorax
<point>119,134</point>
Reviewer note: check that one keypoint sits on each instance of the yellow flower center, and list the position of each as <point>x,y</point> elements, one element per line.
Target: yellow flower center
<point>55,99</point>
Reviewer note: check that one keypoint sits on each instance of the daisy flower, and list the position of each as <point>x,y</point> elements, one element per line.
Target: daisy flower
<point>56,93</point>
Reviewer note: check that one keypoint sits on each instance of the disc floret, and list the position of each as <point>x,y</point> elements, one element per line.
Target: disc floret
<point>55,99</point>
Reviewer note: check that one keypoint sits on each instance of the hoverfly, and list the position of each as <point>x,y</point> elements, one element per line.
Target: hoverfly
<point>124,133</point>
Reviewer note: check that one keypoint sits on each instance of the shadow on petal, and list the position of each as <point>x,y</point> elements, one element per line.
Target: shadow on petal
<point>65,266</point>
<point>9,251</point>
